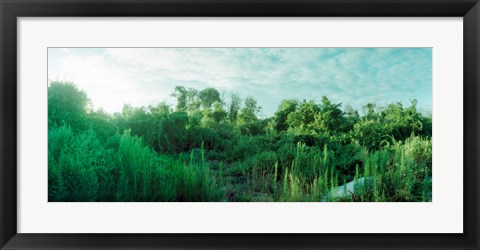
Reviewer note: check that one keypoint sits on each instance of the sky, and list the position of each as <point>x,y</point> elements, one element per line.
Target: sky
<point>112,77</point>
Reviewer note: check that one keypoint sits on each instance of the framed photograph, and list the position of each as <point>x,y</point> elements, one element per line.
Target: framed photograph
<point>226,124</point>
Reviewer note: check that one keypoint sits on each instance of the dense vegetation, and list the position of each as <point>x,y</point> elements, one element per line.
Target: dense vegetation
<point>210,149</point>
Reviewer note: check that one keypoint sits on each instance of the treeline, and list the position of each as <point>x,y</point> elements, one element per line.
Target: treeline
<point>207,148</point>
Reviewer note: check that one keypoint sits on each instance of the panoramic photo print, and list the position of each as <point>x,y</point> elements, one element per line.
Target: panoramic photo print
<point>239,124</point>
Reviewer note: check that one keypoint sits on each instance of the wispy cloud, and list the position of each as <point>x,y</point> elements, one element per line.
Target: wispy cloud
<point>144,76</point>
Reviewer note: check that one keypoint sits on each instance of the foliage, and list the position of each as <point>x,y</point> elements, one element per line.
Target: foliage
<point>204,149</point>
<point>67,104</point>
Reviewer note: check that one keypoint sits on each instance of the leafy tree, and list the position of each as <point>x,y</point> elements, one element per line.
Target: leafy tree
<point>209,96</point>
<point>67,104</point>
<point>234,107</point>
<point>181,93</point>
<point>331,118</point>
<point>248,113</point>
<point>281,115</point>
<point>302,120</point>
<point>193,101</point>
<point>369,111</point>
<point>351,117</point>
<point>218,113</point>
<point>215,114</point>
<point>160,110</point>
<point>401,122</point>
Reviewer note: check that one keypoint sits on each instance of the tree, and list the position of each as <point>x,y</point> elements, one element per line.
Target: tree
<point>248,113</point>
<point>208,96</point>
<point>330,118</point>
<point>67,104</point>
<point>234,107</point>
<point>302,120</point>
<point>160,110</point>
<point>281,115</point>
<point>402,122</point>
<point>218,113</point>
<point>213,115</point>
<point>193,101</point>
<point>181,94</point>
<point>369,111</point>
<point>352,116</point>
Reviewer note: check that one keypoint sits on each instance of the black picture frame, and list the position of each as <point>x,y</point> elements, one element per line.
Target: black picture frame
<point>10,10</point>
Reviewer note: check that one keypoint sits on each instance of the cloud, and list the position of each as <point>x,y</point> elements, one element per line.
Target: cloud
<point>144,76</point>
<point>65,51</point>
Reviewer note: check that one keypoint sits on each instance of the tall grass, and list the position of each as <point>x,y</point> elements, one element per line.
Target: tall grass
<point>86,170</point>
<point>401,172</point>
<point>311,176</point>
